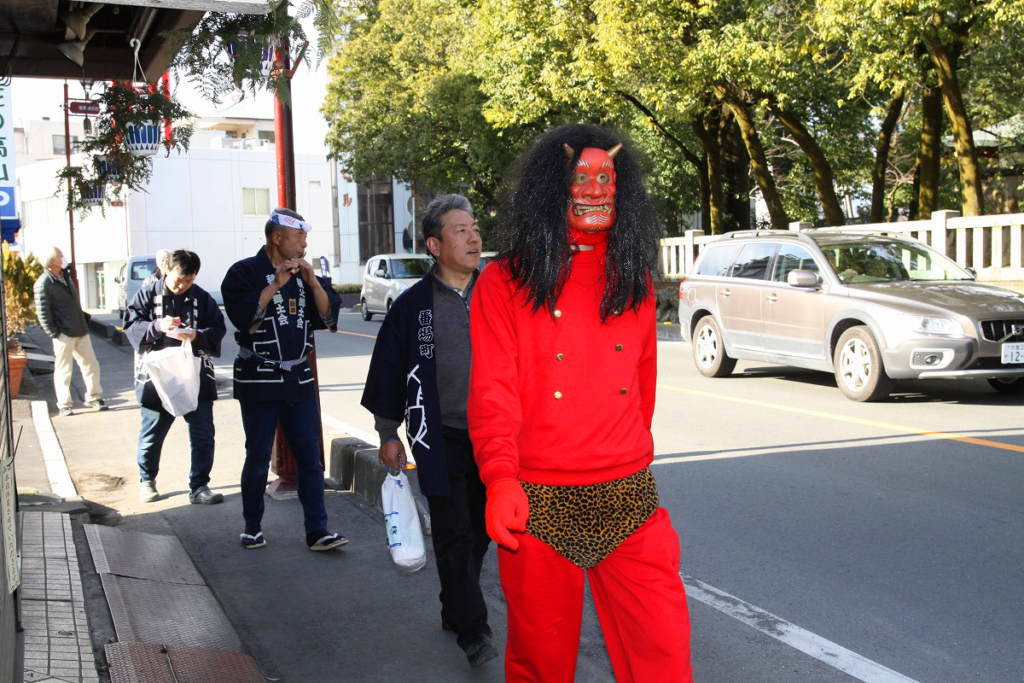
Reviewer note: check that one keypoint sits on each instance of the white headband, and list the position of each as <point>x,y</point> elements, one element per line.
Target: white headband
<point>289,221</point>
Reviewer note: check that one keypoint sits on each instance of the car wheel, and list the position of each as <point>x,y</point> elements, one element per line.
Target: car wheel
<point>858,366</point>
<point>1013,385</point>
<point>366,312</point>
<point>709,349</point>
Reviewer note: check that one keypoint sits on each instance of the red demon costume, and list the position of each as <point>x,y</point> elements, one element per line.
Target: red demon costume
<point>560,407</point>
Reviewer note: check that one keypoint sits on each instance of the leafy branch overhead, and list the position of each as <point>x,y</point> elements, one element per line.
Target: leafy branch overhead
<point>226,54</point>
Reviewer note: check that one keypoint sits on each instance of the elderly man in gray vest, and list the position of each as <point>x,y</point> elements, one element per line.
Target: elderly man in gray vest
<point>62,318</point>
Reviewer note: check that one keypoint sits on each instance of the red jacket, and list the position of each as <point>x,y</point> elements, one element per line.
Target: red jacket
<point>564,400</point>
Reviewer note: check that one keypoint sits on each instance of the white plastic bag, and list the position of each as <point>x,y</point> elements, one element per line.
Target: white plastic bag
<point>174,372</point>
<point>402,523</point>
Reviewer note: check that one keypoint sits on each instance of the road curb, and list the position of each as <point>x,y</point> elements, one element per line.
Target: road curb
<point>109,331</point>
<point>53,454</point>
<point>669,332</point>
<point>357,469</point>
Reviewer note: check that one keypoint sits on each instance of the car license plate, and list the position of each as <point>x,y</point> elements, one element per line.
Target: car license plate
<point>1013,353</point>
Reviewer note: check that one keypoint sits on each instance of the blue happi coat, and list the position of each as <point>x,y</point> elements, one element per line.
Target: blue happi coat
<point>402,382</point>
<point>196,309</point>
<point>283,331</point>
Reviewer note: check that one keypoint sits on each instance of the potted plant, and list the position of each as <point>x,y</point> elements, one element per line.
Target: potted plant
<point>127,132</point>
<point>20,276</point>
<point>88,187</point>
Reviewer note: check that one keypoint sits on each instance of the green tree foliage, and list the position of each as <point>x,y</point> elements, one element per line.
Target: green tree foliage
<point>401,105</point>
<point>806,101</point>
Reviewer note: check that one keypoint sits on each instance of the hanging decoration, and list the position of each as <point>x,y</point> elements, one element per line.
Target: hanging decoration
<point>127,132</point>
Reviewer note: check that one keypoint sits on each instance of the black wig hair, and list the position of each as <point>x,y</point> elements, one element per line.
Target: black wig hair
<point>534,229</point>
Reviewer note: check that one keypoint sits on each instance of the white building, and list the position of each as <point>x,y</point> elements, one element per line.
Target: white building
<point>214,200</point>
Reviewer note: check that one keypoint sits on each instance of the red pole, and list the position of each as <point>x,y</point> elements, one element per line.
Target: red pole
<point>71,212</point>
<point>282,460</point>
<point>165,81</point>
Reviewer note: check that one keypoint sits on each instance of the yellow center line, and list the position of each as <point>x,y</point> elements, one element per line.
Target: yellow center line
<point>358,334</point>
<point>846,418</point>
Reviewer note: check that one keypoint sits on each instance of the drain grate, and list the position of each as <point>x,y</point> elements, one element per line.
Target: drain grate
<point>153,663</point>
<point>174,613</point>
<point>142,556</point>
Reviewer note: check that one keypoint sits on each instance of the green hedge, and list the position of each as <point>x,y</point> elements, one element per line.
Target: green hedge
<point>350,288</point>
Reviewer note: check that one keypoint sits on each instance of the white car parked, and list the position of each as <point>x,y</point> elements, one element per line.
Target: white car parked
<point>133,271</point>
<point>388,275</point>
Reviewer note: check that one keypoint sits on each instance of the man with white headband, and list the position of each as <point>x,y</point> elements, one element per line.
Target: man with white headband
<point>275,301</point>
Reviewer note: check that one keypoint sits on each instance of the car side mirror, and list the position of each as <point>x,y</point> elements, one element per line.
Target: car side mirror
<point>381,273</point>
<point>806,279</point>
<point>117,279</point>
<point>973,272</point>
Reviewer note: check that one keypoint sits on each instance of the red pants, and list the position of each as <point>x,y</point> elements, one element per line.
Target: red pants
<point>640,603</point>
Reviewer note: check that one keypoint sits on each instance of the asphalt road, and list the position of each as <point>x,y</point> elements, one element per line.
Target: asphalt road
<point>823,541</point>
<point>885,539</point>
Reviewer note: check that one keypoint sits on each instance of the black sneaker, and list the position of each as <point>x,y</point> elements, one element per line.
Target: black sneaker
<point>97,403</point>
<point>480,651</point>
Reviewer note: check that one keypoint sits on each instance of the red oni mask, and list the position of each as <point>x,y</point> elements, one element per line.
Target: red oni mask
<point>592,194</point>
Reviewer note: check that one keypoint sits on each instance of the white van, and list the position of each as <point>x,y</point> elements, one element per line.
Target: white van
<point>129,279</point>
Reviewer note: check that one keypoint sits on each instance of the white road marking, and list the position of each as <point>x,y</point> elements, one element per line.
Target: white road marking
<point>861,668</point>
<point>345,428</point>
<point>53,455</point>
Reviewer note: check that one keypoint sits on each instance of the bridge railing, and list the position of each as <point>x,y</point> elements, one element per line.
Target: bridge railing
<point>992,245</point>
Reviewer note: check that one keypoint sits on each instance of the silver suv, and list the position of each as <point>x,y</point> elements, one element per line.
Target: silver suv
<point>868,308</point>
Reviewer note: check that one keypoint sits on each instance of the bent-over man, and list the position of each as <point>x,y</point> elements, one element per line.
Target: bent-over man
<point>165,312</point>
<point>420,372</point>
<point>275,301</point>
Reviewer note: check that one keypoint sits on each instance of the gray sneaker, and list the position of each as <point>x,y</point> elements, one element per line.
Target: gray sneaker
<point>204,496</point>
<point>66,412</point>
<point>148,492</point>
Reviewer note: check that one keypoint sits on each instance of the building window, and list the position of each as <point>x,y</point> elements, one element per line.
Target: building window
<point>59,145</point>
<point>267,135</point>
<point>255,201</point>
<point>376,220</point>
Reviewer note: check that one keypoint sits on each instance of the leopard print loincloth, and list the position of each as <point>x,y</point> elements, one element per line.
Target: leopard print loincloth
<point>585,524</point>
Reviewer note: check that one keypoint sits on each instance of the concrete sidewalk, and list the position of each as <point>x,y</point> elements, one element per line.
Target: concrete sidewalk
<point>346,615</point>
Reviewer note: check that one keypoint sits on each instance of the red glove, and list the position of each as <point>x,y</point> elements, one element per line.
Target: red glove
<point>507,510</point>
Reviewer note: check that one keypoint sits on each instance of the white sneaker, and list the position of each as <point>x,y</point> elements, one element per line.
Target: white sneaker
<point>148,492</point>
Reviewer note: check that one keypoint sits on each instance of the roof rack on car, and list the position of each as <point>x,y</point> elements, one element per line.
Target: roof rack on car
<point>756,233</point>
<point>864,231</point>
<point>764,232</point>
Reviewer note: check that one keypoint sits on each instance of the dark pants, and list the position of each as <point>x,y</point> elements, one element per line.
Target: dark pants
<point>460,539</point>
<point>300,423</point>
<point>156,422</point>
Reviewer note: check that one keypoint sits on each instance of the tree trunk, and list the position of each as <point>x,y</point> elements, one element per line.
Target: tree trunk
<point>913,211</point>
<point>758,160</point>
<point>735,176</point>
<point>706,130</point>
<point>967,157</point>
<point>929,155</point>
<point>705,192</point>
<point>701,164</point>
<point>824,181</point>
<point>892,117</point>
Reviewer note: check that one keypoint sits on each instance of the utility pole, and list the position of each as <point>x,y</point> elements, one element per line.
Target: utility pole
<point>71,212</point>
<point>282,461</point>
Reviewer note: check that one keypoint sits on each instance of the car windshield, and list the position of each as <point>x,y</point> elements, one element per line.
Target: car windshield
<point>859,262</point>
<point>410,267</point>
<point>143,269</point>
